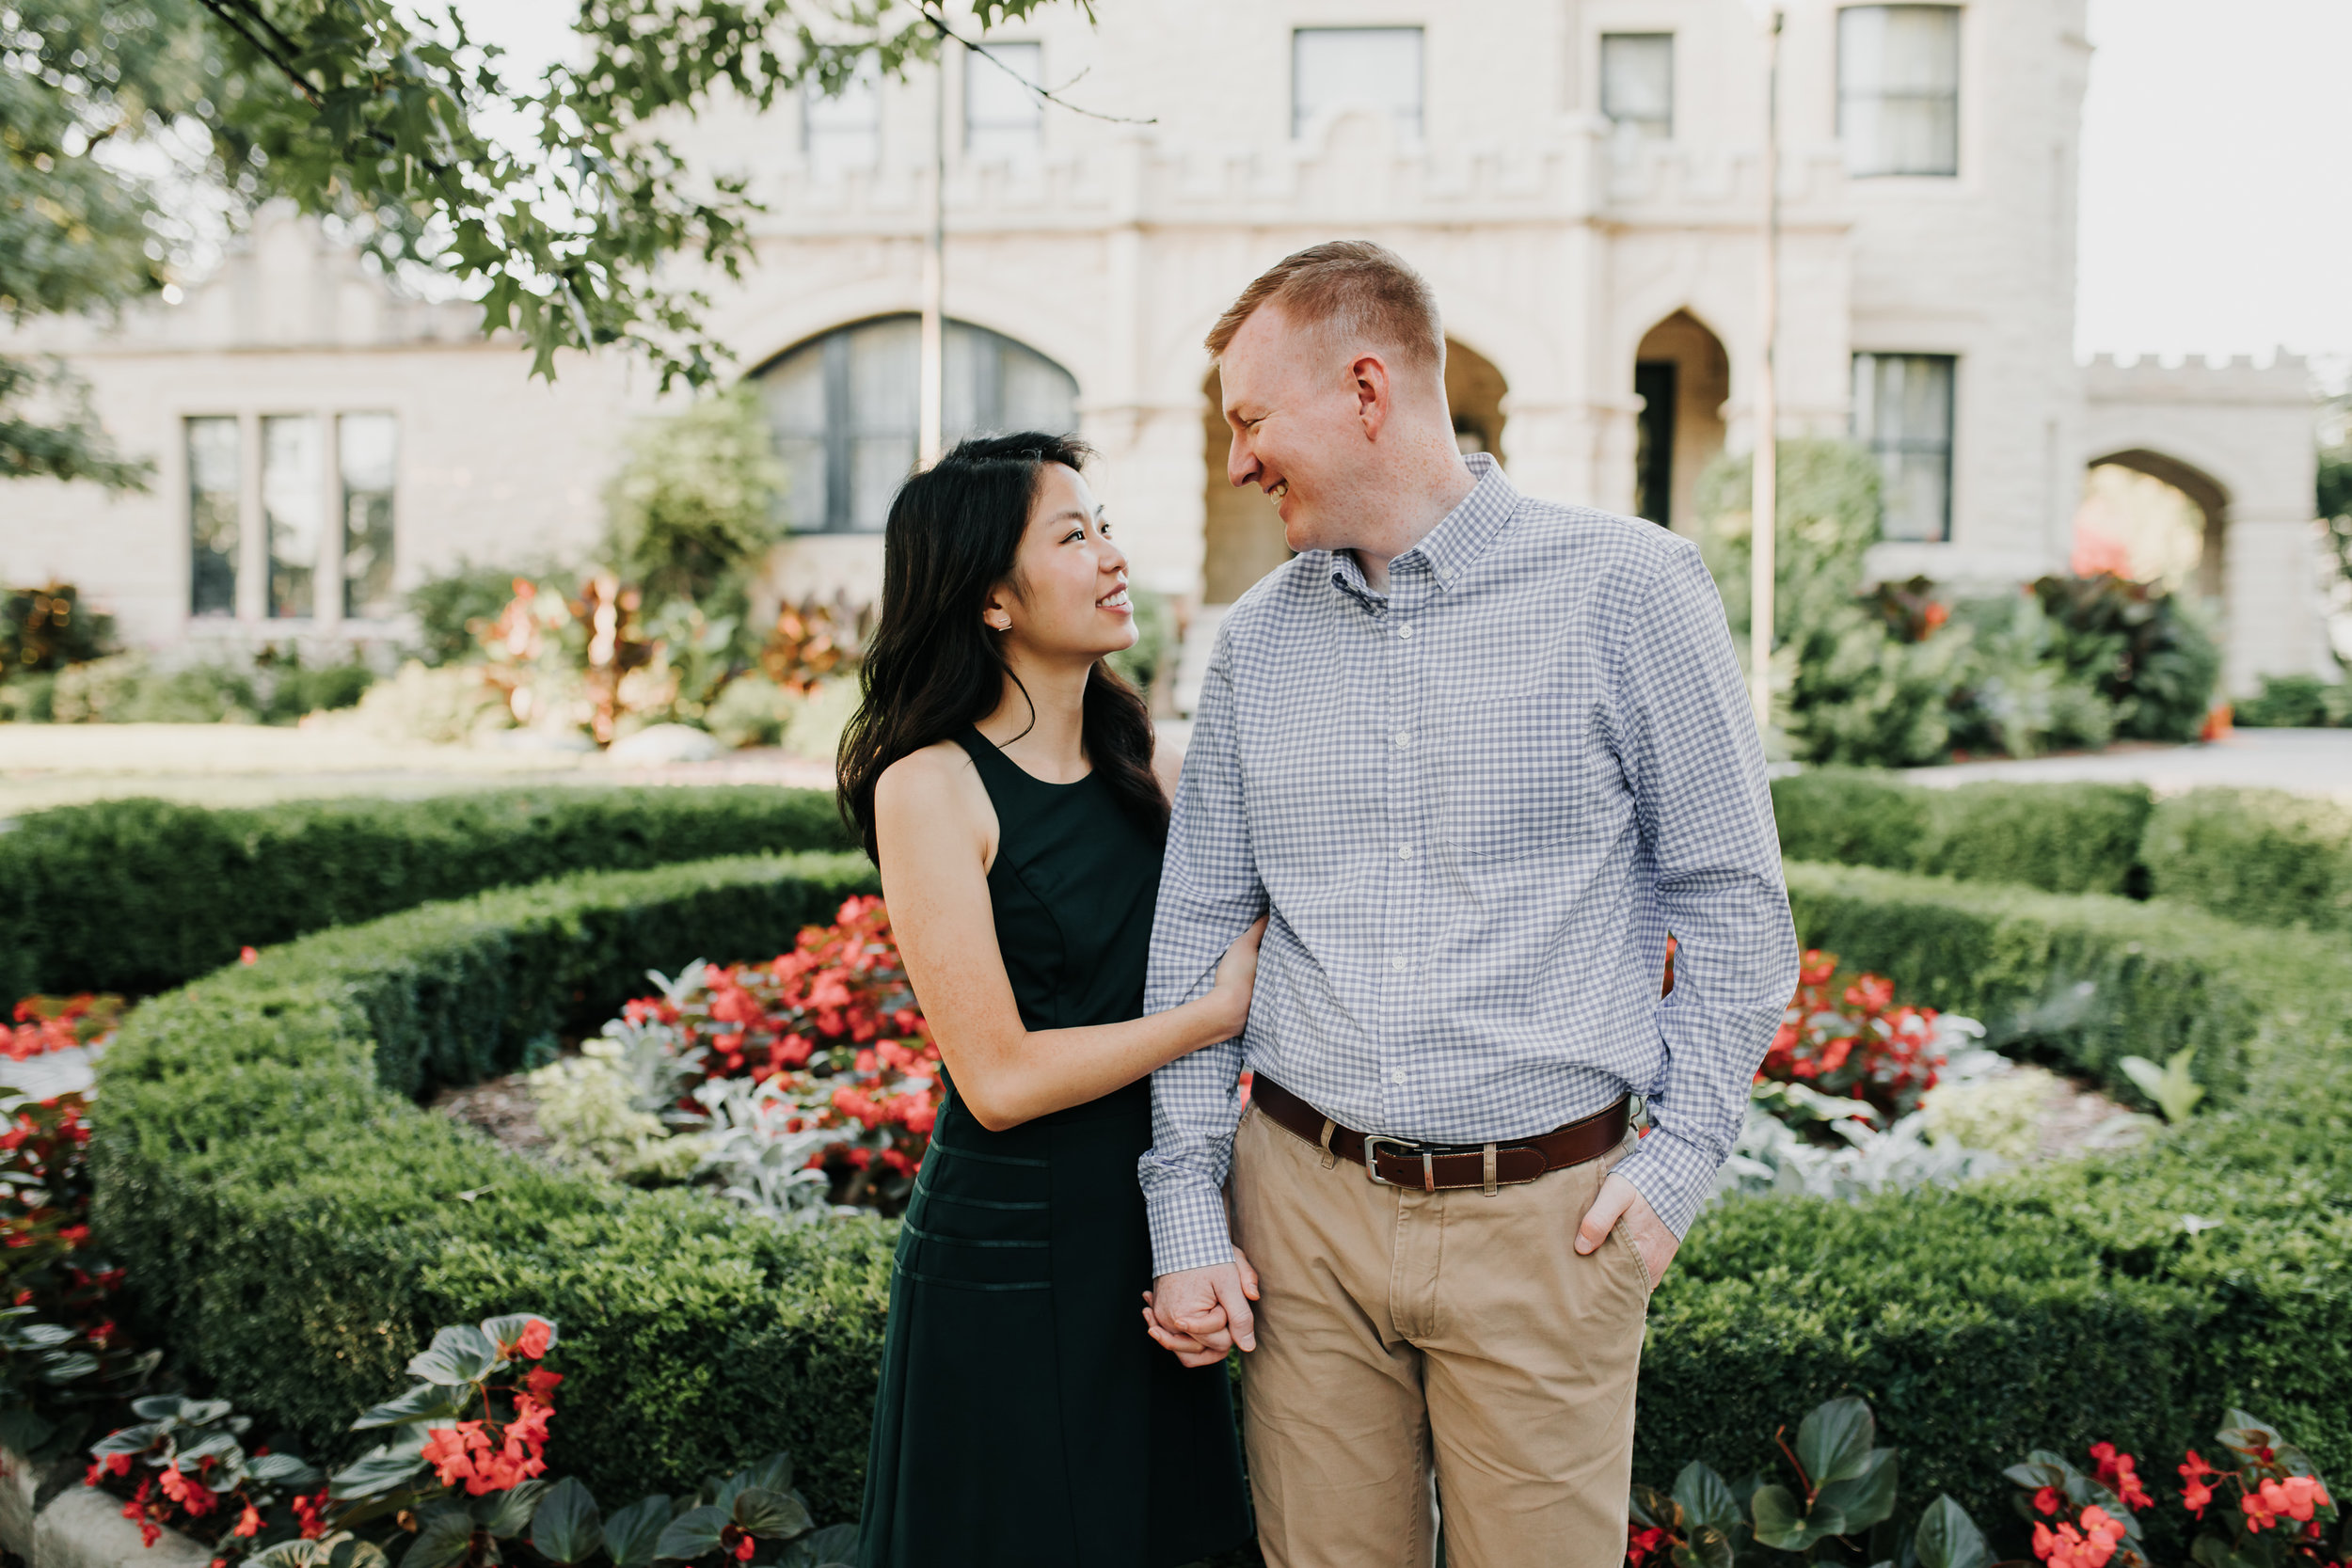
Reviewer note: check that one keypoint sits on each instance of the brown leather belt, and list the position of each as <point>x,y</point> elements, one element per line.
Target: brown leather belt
<point>1436,1168</point>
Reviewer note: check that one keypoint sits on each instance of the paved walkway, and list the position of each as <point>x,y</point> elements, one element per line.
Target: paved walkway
<point>2305,762</point>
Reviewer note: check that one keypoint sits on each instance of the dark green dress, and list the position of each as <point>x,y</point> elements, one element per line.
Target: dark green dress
<point>1024,1416</point>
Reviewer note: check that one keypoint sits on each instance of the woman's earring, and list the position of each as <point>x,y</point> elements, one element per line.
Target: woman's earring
<point>999,621</point>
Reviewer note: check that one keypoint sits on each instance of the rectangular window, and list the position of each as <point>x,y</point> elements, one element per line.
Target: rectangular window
<point>1898,89</point>
<point>1002,118</point>
<point>292,511</point>
<point>1902,412</point>
<point>216,464</point>
<point>367,445</point>
<point>1637,83</point>
<point>1357,68</point>
<point>1654,383</point>
<point>844,131</point>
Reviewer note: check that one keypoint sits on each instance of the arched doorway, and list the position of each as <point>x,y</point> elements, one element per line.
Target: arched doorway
<point>1242,533</point>
<point>2153,518</point>
<point>1683,377</point>
<point>844,411</point>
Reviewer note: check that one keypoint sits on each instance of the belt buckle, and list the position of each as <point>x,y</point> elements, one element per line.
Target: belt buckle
<point>1371,1155</point>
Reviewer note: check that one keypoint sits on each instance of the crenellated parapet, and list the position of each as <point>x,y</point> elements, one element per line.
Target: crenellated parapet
<point>2112,379</point>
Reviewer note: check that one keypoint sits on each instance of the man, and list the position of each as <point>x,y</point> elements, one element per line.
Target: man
<point>1477,756</point>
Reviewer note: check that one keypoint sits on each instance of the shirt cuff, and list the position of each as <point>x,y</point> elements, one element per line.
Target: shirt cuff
<point>1673,1174</point>
<point>1187,1227</point>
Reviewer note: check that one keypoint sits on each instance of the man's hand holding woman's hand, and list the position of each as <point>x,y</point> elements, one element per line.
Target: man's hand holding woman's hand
<point>1200,1314</point>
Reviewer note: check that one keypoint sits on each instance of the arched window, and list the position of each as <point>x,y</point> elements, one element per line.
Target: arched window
<point>844,410</point>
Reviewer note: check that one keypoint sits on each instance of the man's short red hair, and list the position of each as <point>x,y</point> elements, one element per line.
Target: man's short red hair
<point>1355,292</point>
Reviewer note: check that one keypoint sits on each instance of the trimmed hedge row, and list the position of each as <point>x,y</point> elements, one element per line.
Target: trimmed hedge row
<point>141,896</point>
<point>2259,857</point>
<point>2129,1298</point>
<point>296,1227</point>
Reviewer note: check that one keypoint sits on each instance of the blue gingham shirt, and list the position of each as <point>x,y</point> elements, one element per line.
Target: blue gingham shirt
<point>1474,806</point>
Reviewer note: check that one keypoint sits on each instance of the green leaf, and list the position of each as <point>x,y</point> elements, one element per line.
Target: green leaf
<point>1653,1509</point>
<point>1834,1443</point>
<point>1778,1521</point>
<point>693,1533</point>
<point>1947,1538</point>
<point>772,1474</point>
<point>441,1540</point>
<point>506,1513</point>
<point>1709,1548</point>
<point>567,1528</point>
<point>282,1469</point>
<point>380,1469</point>
<point>1864,1499</point>
<point>459,1354</point>
<point>2174,1092</point>
<point>136,1439</point>
<point>835,1546</point>
<point>771,1515</point>
<point>632,1534</point>
<point>1705,1498</point>
<point>345,1550</point>
<point>23,1430</point>
<point>423,1401</point>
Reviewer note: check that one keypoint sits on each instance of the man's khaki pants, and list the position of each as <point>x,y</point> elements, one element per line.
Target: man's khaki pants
<point>1413,1346</point>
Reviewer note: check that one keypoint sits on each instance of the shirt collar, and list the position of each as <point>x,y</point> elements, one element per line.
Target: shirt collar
<point>1451,549</point>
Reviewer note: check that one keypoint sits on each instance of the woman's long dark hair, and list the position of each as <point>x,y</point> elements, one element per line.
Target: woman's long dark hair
<point>933,668</point>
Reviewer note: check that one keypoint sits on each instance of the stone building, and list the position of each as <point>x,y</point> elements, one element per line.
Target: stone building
<point>1581,180</point>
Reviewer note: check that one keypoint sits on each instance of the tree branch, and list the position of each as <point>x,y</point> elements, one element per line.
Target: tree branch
<point>302,83</point>
<point>938,25</point>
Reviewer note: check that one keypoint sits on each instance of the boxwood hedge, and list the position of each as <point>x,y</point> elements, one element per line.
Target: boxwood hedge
<point>296,1227</point>
<point>139,896</point>
<point>2260,857</point>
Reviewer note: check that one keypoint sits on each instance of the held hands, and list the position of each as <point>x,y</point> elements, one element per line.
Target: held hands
<point>1200,1314</point>
<point>1236,976</point>
<point>1619,1202</point>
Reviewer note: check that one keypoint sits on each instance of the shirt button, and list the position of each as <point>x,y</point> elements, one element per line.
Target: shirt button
<point>1396,1075</point>
<point>1404,851</point>
<point>1399,962</point>
<point>1403,739</point>
<point>1404,632</point>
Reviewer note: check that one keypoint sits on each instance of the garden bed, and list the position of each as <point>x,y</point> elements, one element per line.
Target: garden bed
<point>297,1225</point>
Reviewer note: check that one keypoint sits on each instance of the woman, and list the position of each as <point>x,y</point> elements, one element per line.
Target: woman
<point>1004,780</point>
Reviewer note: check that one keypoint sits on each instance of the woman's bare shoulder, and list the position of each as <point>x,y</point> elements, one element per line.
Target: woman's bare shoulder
<point>940,774</point>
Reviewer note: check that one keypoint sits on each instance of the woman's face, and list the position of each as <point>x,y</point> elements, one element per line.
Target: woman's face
<point>1067,597</point>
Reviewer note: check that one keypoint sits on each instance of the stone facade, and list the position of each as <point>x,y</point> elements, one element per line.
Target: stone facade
<point>1566,247</point>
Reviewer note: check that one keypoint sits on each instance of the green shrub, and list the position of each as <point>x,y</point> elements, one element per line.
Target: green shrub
<point>2259,856</point>
<point>139,896</point>
<point>2296,701</point>
<point>2057,837</point>
<point>2119,1298</point>
<point>295,1227</point>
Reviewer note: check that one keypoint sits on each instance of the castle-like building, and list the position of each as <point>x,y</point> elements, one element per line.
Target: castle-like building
<point>1581,180</point>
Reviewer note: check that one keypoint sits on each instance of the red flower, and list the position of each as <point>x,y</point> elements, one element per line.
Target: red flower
<point>248,956</point>
<point>743,1549</point>
<point>310,1513</point>
<point>1641,1544</point>
<point>537,1335</point>
<point>2049,1500</point>
<point>2116,1470</point>
<point>248,1523</point>
<point>542,1384</point>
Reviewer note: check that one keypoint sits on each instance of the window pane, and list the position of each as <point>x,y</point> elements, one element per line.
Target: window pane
<point>844,131</point>
<point>366,447</point>
<point>844,410</point>
<point>1903,414</point>
<point>1898,89</point>
<point>1002,118</point>
<point>1372,68</point>
<point>215,462</point>
<point>292,506</point>
<point>1637,81</point>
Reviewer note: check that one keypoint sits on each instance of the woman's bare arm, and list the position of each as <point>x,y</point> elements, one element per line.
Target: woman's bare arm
<point>934,831</point>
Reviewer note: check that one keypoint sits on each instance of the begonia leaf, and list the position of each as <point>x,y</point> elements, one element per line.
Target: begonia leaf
<point>1864,1499</point>
<point>136,1439</point>
<point>441,1540</point>
<point>423,1401</point>
<point>568,1527</point>
<point>1708,1548</point>
<point>835,1546</point>
<point>771,1515</point>
<point>1705,1498</point>
<point>506,1514</point>
<point>380,1469</point>
<point>1834,1443</point>
<point>1947,1538</point>
<point>282,1469</point>
<point>459,1355</point>
<point>693,1533</point>
<point>631,1534</point>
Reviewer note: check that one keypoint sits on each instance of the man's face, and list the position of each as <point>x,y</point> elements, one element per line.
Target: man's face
<point>1298,428</point>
